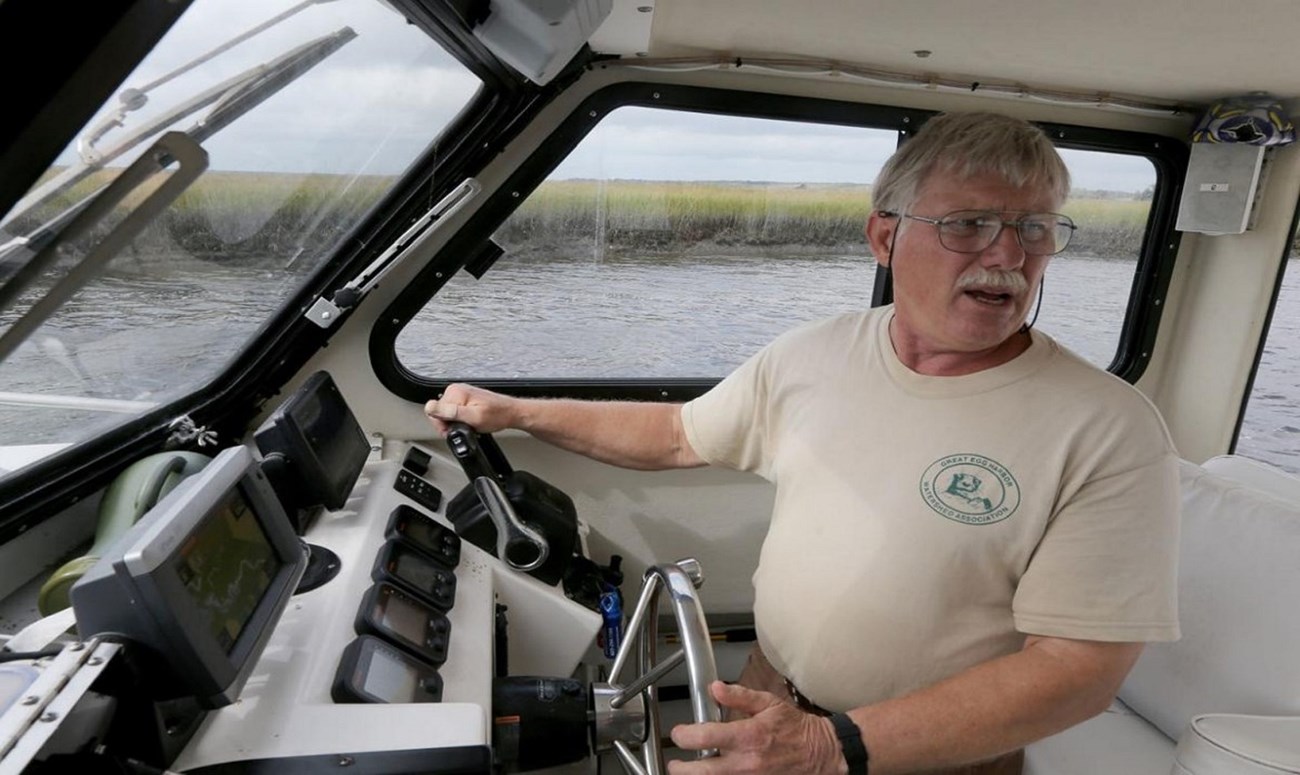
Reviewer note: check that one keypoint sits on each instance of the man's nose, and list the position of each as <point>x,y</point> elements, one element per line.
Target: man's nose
<point>1005,252</point>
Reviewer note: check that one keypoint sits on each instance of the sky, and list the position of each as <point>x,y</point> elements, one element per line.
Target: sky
<point>372,107</point>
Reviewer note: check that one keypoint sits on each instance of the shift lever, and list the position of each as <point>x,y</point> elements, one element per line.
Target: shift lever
<point>519,545</point>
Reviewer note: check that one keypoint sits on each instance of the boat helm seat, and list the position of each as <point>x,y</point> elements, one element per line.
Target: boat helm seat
<point>1225,699</point>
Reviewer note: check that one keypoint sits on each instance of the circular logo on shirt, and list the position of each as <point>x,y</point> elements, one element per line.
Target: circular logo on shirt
<point>971,489</point>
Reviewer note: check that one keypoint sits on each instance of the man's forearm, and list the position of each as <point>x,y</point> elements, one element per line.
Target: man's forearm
<point>995,707</point>
<point>645,436</point>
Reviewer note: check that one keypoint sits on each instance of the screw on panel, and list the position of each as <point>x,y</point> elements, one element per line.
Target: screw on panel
<point>655,95</point>
<point>645,8</point>
<point>346,761</point>
<point>31,700</point>
<point>592,114</point>
<point>49,716</point>
<point>95,661</point>
<point>907,120</point>
<point>76,646</point>
<point>1157,302</point>
<point>438,275</point>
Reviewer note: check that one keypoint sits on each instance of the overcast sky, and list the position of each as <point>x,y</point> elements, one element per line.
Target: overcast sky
<point>372,107</point>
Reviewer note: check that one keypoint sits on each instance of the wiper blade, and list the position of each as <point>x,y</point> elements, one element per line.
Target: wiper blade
<point>173,147</point>
<point>268,80</point>
<point>231,99</point>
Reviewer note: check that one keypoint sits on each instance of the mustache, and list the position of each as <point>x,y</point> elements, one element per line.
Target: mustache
<point>1004,279</point>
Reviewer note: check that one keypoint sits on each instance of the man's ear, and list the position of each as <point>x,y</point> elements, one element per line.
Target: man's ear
<point>880,235</point>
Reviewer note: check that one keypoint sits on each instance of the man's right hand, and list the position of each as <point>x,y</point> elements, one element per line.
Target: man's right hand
<point>483,410</point>
<point>645,436</point>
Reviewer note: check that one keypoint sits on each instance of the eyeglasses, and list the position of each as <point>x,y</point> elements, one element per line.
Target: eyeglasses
<point>972,231</point>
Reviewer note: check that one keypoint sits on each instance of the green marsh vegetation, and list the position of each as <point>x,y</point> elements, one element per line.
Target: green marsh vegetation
<point>651,217</point>
<point>236,215</point>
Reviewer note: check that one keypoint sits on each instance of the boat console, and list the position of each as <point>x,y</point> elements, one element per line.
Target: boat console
<point>323,599</point>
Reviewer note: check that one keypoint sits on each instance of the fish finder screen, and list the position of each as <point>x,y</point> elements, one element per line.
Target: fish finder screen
<point>227,565</point>
<point>313,446</point>
<point>417,571</point>
<point>404,618</point>
<point>391,679</point>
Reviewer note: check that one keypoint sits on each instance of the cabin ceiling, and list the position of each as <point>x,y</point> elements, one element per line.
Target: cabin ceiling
<point>1185,51</point>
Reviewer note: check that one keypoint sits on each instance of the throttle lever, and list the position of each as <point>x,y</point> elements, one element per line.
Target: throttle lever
<point>519,545</point>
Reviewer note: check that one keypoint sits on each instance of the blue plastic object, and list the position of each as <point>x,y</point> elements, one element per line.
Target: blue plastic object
<point>611,612</point>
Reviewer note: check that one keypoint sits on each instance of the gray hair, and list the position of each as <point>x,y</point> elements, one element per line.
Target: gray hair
<point>968,145</point>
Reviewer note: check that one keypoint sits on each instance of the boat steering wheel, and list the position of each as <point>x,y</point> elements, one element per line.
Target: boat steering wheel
<point>627,714</point>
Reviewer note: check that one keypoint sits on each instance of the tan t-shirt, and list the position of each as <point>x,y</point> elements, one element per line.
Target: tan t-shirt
<point>925,524</point>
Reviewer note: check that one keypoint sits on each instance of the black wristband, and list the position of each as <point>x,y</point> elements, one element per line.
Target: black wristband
<point>855,751</point>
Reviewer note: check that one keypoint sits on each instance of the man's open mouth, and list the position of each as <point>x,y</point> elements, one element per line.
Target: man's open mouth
<point>989,296</point>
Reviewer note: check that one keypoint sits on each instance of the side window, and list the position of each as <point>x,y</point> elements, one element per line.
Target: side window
<point>1270,429</point>
<point>1086,288</point>
<point>667,245</point>
<point>675,245</point>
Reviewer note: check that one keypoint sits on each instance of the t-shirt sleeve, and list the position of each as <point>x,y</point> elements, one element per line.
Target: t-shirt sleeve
<point>728,426</point>
<point>1106,567</point>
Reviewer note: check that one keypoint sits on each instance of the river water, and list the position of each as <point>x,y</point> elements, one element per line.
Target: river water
<point>151,333</point>
<point>702,316</point>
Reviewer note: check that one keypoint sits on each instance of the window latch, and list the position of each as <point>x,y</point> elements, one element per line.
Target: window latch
<point>324,312</point>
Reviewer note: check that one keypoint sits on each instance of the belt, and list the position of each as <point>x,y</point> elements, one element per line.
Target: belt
<point>802,702</point>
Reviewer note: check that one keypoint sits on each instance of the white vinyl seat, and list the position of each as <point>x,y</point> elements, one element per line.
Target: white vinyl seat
<point>1117,741</point>
<point>1236,744</point>
<point>1226,697</point>
<point>1252,473</point>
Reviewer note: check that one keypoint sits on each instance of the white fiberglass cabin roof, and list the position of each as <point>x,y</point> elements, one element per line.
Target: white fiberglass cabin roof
<point>1161,51</point>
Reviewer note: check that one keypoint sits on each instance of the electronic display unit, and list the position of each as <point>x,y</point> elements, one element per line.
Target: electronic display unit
<point>407,567</point>
<point>199,582</point>
<point>435,540</point>
<point>371,670</point>
<point>313,449</point>
<point>405,620</point>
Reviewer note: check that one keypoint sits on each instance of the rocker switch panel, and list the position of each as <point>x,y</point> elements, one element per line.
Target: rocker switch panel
<point>418,490</point>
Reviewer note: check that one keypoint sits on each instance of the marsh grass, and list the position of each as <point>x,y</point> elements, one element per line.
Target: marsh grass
<point>228,215</point>
<point>640,217</point>
<point>248,215</point>
<point>645,214</point>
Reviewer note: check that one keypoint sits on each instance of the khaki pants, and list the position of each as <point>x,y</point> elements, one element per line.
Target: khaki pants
<point>759,674</point>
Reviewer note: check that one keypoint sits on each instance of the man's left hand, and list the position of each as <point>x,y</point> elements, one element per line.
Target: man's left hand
<point>776,738</point>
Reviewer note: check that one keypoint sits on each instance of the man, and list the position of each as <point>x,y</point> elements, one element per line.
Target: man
<point>993,520</point>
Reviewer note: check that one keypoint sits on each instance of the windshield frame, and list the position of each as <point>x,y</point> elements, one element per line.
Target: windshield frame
<point>231,400</point>
<point>1142,316</point>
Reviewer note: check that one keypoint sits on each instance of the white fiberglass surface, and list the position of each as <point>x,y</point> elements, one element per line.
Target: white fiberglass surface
<point>321,110</point>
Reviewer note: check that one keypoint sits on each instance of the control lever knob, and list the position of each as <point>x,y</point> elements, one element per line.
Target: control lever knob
<point>519,544</point>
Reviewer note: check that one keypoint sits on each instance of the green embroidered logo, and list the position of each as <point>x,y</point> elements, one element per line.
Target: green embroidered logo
<point>971,489</point>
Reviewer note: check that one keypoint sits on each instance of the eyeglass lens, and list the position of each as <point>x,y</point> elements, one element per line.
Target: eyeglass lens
<point>970,231</point>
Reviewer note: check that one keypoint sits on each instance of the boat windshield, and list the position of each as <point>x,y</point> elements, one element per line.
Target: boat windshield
<point>308,113</point>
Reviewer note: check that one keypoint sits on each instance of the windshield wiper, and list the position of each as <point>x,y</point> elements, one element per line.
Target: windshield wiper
<point>232,97</point>
<point>172,148</point>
